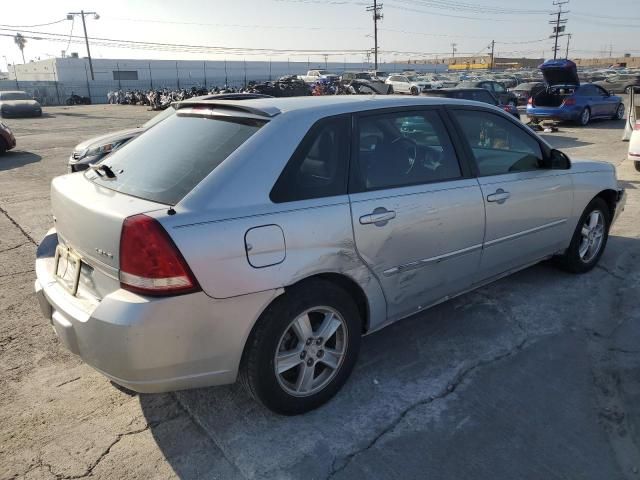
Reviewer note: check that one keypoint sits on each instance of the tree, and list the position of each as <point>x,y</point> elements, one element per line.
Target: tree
<point>20,41</point>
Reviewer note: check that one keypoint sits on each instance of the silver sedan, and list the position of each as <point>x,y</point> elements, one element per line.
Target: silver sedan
<point>261,239</point>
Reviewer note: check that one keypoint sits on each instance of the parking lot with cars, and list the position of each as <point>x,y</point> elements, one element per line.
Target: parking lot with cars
<point>534,376</point>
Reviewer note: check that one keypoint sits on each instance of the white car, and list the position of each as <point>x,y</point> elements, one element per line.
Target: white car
<point>407,84</point>
<point>634,145</point>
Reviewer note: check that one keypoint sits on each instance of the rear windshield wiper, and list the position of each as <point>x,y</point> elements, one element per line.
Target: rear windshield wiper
<point>103,168</point>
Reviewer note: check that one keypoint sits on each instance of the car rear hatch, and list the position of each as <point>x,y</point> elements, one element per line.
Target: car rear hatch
<point>88,220</point>
<point>560,73</point>
<point>150,174</point>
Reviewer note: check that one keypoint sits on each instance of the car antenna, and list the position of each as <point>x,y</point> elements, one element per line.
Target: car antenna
<point>171,211</point>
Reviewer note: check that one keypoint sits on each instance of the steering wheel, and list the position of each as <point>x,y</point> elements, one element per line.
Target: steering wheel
<point>412,151</point>
<point>432,158</point>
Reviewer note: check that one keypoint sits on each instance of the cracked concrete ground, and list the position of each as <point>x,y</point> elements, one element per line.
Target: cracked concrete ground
<point>535,376</point>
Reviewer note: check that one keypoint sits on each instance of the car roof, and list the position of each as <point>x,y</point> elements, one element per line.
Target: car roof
<point>327,105</point>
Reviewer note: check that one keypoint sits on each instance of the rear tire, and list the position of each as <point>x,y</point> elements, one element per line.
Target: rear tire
<point>3,146</point>
<point>589,238</point>
<point>585,117</point>
<point>294,323</point>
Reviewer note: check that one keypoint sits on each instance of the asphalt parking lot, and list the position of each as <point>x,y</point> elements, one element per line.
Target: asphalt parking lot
<point>535,376</point>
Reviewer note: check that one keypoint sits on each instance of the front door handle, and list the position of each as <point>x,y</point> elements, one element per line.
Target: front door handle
<point>379,217</point>
<point>500,196</point>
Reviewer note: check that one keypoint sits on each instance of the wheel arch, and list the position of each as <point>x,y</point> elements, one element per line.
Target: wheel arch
<point>350,285</point>
<point>610,197</point>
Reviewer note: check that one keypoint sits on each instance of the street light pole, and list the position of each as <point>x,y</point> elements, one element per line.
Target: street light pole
<point>82,13</point>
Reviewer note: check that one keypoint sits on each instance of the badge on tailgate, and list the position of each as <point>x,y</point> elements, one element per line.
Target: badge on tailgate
<point>66,268</point>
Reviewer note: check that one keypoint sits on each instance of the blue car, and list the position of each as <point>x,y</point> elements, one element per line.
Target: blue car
<point>564,98</point>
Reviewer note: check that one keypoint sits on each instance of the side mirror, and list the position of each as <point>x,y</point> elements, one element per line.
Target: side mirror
<point>559,160</point>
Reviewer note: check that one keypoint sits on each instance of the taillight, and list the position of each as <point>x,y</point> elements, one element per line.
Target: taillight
<point>530,101</point>
<point>569,101</point>
<point>637,125</point>
<point>150,263</point>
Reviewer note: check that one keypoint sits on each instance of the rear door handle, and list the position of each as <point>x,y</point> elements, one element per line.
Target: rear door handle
<point>379,217</point>
<point>500,196</point>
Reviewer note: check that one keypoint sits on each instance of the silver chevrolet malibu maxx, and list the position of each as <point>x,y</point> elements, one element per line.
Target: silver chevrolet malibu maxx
<point>261,239</point>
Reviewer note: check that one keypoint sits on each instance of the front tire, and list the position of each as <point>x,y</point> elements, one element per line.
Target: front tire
<point>414,91</point>
<point>620,111</point>
<point>303,348</point>
<point>585,117</point>
<point>589,238</point>
<point>3,146</point>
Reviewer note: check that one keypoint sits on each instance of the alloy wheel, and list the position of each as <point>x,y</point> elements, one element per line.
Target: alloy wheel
<point>585,116</point>
<point>311,351</point>
<point>592,236</point>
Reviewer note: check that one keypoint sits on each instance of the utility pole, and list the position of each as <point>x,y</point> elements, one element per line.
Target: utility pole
<point>453,50</point>
<point>377,15</point>
<point>326,60</point>
<point>560,24</point>
<point>568,41</point>
<point>493,46</point>
<point>82,13</point>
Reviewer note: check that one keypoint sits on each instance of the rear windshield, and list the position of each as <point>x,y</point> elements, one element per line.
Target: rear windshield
<point>159,117</point>
<point>14,96</point>
<point>170,159</point>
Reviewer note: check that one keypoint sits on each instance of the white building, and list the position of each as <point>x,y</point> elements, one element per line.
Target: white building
<point>57,78</point>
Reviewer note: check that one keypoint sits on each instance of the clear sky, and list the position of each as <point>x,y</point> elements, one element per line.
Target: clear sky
<point>342,28</point>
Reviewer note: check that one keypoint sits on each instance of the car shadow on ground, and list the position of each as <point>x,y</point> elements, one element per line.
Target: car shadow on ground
<point>607,125</point>
<point>557,140</point>
<point>16,159</point>
<point>407,363</point>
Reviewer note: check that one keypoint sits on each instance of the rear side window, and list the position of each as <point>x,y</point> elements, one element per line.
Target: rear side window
<point>318,167</point>
<point>498,145</point>
<point>170,159</point>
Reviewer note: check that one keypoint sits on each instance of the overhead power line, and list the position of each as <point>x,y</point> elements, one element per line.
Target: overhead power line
<point>32,26</point>
<point>203,49</point>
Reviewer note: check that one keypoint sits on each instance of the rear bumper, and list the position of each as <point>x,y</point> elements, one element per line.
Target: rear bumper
<point>562,113</point>
<point>150,344</point>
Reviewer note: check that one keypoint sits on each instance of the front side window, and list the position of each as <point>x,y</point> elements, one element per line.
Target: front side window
<point>402,149</point>
<point>499,146</point>
<point>498,88</point>
<point>318,168</point>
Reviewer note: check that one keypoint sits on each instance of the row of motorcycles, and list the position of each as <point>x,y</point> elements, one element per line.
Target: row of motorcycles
<point>287,86</point>
<point>157,99</point>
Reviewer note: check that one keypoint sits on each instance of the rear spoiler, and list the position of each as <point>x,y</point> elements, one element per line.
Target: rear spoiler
<point>232,106</point>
